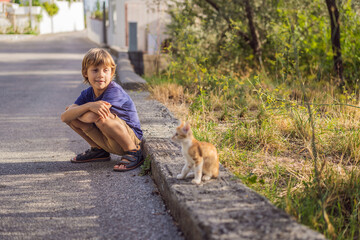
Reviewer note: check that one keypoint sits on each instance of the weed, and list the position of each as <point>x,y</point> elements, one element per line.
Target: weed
<point>146,167</point>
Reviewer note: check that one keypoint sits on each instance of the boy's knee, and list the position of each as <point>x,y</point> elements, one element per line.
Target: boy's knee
<point>89,117</point>
<point>79,125</point>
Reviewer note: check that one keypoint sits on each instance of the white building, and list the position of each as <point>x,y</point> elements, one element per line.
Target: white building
<point>70,17</point>
<point>134,25</point>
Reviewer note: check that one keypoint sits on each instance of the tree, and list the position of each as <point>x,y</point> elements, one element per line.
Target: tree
<point>255,43</point>
<point>335,38</point>
<point>252,38</point>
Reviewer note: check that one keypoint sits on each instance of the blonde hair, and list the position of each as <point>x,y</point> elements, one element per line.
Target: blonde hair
<point>96,57</point>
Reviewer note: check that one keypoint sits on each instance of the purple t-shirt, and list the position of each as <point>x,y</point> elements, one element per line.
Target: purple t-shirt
<point>122,105</point>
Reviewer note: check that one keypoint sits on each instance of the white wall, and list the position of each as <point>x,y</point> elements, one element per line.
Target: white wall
<point>70,17</point>
<point>151,19</point>
<point>18,17</point>
<point>4,25</point>
<point>116,33</point>
<point>94,29</point>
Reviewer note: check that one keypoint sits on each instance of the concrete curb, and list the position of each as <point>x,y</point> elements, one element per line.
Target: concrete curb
<point>15,37</point>
<point>219,209</point>
<point>126,76</point>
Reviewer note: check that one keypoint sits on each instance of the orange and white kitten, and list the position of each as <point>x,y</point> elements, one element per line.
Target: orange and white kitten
<point>202,157</point>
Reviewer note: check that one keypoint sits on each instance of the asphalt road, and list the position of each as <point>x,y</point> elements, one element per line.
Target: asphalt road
<point>42,194</point>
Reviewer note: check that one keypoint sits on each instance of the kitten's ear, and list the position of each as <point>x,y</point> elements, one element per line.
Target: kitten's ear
<point>186,128</point>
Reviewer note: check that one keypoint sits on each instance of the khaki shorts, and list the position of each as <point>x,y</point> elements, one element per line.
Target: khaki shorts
<point>107,143</point>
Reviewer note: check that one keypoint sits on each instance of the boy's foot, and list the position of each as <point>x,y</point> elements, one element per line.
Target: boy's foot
<point>92,155</point>
<point>130,160</point>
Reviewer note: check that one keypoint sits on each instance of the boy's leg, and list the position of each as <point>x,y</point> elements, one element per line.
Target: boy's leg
<point>111,134</point>
<point>96,152</point>
<point>116,130</point>
<point>80,128</point>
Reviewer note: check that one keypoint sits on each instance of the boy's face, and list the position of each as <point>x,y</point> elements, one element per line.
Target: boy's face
<point>99,78</point>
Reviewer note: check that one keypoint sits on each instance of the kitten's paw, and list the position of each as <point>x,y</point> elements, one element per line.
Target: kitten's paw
<point>206,177</point>
<point>195,181</point>
<point>179,176</point>
<point>190,175</point>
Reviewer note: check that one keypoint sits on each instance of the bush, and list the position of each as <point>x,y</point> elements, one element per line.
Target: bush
<point>51,8</point>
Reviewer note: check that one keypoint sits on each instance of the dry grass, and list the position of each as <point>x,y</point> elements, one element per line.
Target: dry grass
<point>174,97</point>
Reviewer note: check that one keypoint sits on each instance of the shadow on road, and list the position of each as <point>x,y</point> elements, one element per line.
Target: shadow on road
<point>20,168</point>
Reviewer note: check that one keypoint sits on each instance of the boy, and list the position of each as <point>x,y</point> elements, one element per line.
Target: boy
<point>104,115</point>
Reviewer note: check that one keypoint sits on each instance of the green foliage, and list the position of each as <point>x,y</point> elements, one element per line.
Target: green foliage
<point>30,30</point>
<point>308,32</point>
<point>98,5</point>
<point>27,30</point>
<point>98,14</point>
<point>36,3</point>
<point>350,44</point>
<point>39,17</point>
<point>10,30</point>
<point>300,39</point>
<point>51,8</point>
<point>146,167</point>
<point>295,34</point>
<point>27,3</point>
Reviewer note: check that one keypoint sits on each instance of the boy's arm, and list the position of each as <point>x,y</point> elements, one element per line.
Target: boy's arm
<point>101,108</point>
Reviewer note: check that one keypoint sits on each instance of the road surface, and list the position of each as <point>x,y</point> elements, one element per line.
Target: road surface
<point>42,194</point>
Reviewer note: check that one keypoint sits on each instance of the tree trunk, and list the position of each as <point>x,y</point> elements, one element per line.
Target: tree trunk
<point>335,38</point>
<point>254,42</point>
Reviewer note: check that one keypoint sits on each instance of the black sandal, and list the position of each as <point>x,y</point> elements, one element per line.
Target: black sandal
<point>134,159</point>
<point>92,155</point>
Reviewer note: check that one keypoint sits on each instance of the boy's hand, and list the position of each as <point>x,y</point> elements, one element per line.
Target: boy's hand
<point>101,108</point>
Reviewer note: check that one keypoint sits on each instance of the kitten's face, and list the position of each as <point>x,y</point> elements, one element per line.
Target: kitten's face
<point>182,133</point>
